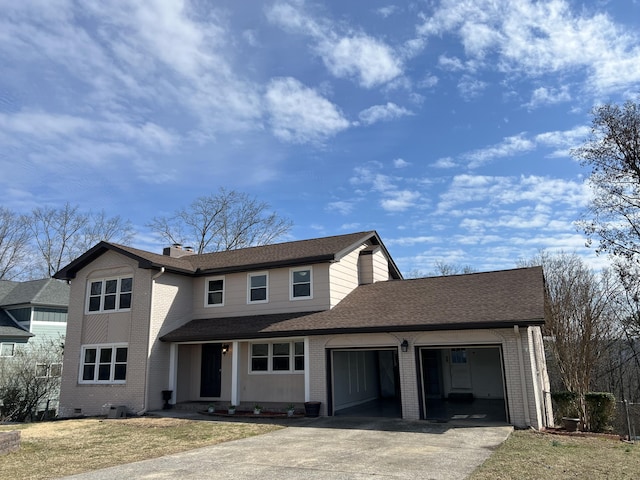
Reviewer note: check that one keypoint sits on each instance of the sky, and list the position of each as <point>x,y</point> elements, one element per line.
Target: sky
<point>446,126</point>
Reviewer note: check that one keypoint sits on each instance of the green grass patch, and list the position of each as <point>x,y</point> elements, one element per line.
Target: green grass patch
<point>534,455</point>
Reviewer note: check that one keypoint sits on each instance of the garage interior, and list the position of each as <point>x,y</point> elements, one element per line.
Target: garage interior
<point>365,383</point>
<point>464,383</point>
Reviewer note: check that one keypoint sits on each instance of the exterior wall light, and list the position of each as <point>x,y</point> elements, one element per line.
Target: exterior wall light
<point>404,346</point>
<point>225,348</point>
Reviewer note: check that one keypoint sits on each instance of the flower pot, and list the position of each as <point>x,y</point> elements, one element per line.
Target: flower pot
<point>211,409</point>
<point>290,413</point>
<point>231,411</point>
<point>570,424</point>
<point>257,411</point>
<point>311,409</point>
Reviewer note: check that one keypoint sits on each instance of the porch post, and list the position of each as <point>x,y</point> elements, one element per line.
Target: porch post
<point>173,368</point>
<point>235,355</point>
<point>307,372</point>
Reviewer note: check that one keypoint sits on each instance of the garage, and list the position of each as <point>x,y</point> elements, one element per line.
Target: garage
<point>462,383</point>
<point>364,383</point>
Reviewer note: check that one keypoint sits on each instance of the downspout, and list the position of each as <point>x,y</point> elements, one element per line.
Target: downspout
<point>523,380</point>
<point>146,371</point>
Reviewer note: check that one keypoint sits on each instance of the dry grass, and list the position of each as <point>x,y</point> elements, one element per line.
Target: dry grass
<point>536,455</point>
<point>67,447</point>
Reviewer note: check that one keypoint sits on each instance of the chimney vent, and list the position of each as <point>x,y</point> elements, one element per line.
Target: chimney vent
<point>176,251</point>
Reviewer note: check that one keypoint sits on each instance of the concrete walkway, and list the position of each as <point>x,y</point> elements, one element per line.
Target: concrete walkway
<point>330,448</point>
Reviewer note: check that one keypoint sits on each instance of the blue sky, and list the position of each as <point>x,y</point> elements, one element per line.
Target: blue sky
<point>443,125</point>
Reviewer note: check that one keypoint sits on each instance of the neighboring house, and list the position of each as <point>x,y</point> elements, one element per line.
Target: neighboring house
<point>32,311</point>
<point>327,319</point>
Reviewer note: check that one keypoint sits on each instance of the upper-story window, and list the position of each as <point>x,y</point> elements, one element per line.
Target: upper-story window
<point>109,294</point>
<point>214,294</point>
<point>301,283</point>
<point>258,284</point>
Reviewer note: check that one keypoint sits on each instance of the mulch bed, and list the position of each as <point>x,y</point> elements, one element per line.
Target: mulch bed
<point>562,431</point>
<point>250,414</point>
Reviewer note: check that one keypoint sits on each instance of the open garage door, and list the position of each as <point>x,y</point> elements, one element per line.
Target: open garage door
<point>462,383</point>
<point>365,383</point>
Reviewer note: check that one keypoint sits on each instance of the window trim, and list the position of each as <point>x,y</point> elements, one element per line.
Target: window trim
<point>292,272</point>
<point>12,345</point>
<point>102,295</point>
<point>249,288</point>
<point>270,370</point>
<point>98,348</point>
<point>207,291</point>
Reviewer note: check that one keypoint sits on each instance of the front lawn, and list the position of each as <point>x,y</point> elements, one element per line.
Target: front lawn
<point>528,454</point>
<point>67,447</point>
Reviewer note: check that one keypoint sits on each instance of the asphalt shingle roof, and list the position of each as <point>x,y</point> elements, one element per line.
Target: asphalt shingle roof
<point>480,300</point>
<point>36,292</point>
<point>10,329</point>
<point>268,256</point>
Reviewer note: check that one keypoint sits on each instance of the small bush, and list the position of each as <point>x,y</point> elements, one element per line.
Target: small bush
<point>601,407</point>
<point>565,405</point>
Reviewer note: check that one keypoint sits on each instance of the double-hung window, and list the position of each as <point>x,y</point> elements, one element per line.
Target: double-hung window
<point>110,294</point>
<point>301,283</point>
<point>7,349</point>
<point>277,357</point>
<point>104,364</point>
<point>214,294</point>
<point>258,288</point>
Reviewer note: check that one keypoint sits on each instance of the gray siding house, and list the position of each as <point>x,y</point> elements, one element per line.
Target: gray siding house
<point>327,320</point>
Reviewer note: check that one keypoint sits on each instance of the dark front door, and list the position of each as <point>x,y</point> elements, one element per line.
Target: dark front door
<point>210,375</point>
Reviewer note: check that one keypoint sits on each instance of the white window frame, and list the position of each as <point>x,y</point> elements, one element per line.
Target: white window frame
<point>292,273</point>
<point>4,346</point>
<point>270,357</point>
<point>207,291</point>
<point>103,294</point>
<point>112,363</point>
<point>266,287</point>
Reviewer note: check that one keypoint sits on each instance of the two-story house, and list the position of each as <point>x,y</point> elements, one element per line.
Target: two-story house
<point>327,319</point>
<point>31,311</point>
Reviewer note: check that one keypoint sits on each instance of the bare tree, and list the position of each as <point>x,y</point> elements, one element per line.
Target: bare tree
<point>579,319</point>
<point>227,220</point>
<point>14,244</point>
<point>62,234</point>
<point>30,379</point>
<point>442,268</point>
<point>613,153</point>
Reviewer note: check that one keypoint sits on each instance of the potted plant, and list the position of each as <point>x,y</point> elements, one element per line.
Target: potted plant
<point>211,408</point>
<point>257,409</point>
<point>231,410</point>
<point>291,408</point>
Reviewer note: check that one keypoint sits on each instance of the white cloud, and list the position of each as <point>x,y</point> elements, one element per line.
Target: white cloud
<point>399,201</point>
<point>342,207</point>
<point>357,56</point>
<point>533,38</point>
<point>387,11</point>
<point>510,146</point>
<point>299,114</point>
<point>548,96</point>
<point>470,87</point>
<point>379,113</point>
<point>400,163</point>
<point>445,162</point>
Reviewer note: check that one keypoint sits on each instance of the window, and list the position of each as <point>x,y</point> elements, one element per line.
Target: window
<point>7,349</point>
<point>285,357</point>
<point>110,294</point>
<point>214,294</point>
<point>458,355</point>
<point>44,370</point>
<point>258,288</point>
<point>301,283</point>
<point>104,364</point>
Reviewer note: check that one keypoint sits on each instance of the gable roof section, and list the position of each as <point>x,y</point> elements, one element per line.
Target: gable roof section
<point>46,291</point>
<point>299,252</point>
<point>10,330</point>
<point>472,301</point>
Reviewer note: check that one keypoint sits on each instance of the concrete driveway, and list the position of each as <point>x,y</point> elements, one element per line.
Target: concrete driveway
<point>330,448</point>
